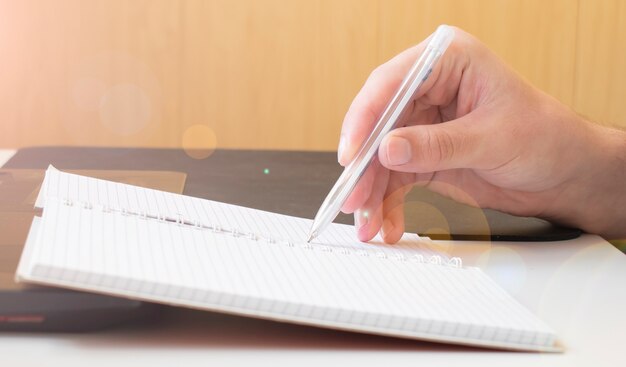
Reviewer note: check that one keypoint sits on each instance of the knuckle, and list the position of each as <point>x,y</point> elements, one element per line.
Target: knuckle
<point>377,72</point>
<point>446,146</point>
<point>440,96</point>
<point>435,148</point>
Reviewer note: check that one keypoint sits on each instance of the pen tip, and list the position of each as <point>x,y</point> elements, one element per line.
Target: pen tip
<point>309,238</point>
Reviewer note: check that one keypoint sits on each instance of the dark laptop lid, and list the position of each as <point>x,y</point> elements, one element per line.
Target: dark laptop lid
<point>35,308</point>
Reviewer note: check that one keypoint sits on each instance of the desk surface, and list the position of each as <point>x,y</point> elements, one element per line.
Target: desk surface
<point>575,286</point>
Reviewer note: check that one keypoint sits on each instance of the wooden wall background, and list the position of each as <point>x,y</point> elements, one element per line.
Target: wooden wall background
<point>276,74</point>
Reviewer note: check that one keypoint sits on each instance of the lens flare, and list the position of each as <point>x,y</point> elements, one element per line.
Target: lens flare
<point>125,109</point>
<point>505,266</point>
<point>199,141</point>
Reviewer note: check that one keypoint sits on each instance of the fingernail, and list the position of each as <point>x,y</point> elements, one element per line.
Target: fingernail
<point>398,151</point>
<point>342,147</point>
<point>360,219</point>
<point>387,228</point>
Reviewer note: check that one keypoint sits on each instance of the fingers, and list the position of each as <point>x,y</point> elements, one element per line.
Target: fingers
<point>363,189</point>
<point>386,216</point>
<point>459,143</point>
<point>393,208</point>
<point>369,103</point>
<point>384,209</point>
<point>369,217</point>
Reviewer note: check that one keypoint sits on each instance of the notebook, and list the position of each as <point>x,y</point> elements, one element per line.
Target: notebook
<point>118,239</point>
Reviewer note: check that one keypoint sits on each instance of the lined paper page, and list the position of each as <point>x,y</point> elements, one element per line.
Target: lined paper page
<point>167,262</point>
<point>102,193</point>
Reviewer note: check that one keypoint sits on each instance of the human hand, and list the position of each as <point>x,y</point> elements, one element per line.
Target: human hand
<point>478,133</point>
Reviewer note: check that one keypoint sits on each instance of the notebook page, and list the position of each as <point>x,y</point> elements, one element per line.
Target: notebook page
<point>102,194</point>
<point>175,264</point>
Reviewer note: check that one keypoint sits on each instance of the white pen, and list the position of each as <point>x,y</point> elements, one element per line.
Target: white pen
<point>388,120</point>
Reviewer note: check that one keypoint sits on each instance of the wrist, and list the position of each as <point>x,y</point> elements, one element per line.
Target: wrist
<point>600,204</point>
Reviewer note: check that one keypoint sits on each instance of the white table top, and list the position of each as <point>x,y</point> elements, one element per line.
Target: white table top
<point>577,287</point>
<point>5,155</point>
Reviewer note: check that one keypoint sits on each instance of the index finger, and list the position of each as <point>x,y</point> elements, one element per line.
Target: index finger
<point>371,100</point>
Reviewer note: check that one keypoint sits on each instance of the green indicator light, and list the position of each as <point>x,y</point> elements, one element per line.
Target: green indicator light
<point>266,171</point>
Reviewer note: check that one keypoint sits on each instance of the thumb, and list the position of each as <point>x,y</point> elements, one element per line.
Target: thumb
<point>437,147</point>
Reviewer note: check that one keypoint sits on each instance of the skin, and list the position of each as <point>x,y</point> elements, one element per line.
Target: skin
<point>480,134</point>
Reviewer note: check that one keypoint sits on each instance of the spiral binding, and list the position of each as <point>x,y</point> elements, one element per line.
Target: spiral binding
<point>179,220</point>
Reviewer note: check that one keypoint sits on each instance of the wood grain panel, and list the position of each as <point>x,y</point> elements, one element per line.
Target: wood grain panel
<point>274,74</point>
<point>89,73</point>
<point>260,74</point>
<point>600,81</point>
<point>266,73</point>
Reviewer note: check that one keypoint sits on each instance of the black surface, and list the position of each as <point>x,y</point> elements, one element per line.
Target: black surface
<point>59,310</point>
<point>33,308</point>
<point>295,185</point>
